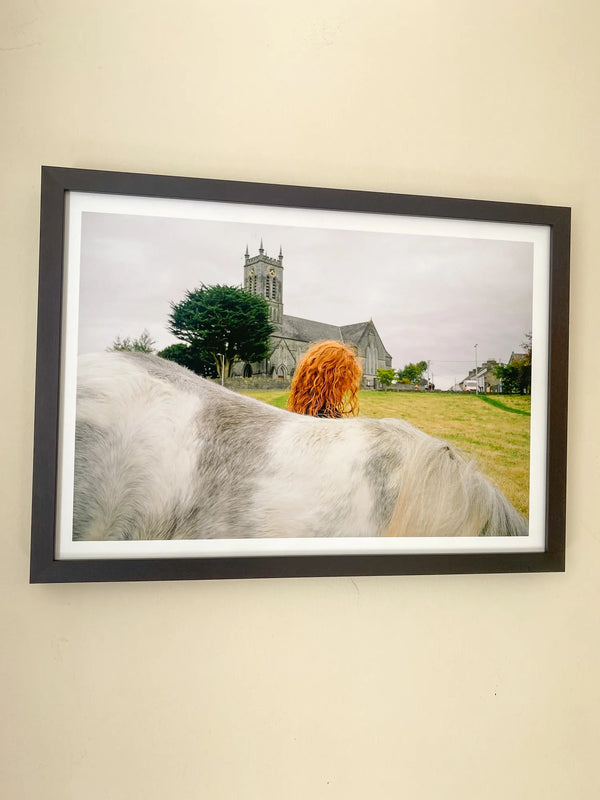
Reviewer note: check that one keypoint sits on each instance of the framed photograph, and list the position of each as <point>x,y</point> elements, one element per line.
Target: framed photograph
<point>241,380</point>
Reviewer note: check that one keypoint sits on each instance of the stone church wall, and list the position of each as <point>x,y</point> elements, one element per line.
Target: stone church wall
<point>259,383</point>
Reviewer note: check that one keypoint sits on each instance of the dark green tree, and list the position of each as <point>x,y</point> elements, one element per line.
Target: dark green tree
<point>515,377</point>
<point>222,325</point>
<point>183,354</point>
<point>509,375</point>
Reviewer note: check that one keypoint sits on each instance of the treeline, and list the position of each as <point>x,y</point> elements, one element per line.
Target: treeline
<point>217,326</point>
<point>410,373</point>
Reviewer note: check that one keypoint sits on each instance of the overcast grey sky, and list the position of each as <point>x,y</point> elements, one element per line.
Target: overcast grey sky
<point>430,297</point>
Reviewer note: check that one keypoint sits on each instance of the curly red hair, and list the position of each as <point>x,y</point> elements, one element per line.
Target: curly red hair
<point>326,382</point>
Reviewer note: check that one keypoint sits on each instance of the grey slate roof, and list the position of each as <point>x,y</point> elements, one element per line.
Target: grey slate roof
<point>352,333</point>
<point>307,330</point>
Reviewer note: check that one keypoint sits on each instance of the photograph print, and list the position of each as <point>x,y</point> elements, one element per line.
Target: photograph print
<point>244,379</point>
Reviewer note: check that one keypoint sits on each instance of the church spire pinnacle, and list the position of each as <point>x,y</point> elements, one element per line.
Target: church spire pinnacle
<point>261,249</point>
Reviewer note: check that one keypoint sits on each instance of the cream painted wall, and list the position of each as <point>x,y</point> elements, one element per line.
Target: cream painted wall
<point>425,687</point>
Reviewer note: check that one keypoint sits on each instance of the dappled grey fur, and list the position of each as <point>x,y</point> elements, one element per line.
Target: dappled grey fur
<point>382,467</point>
<point>115,468</point>
<point>163,454</point>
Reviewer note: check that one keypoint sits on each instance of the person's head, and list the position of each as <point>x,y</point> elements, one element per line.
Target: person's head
<point>326,382</point>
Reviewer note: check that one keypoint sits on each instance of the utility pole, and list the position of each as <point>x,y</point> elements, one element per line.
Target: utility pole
<point>223,364</point>
<point>476,379</point>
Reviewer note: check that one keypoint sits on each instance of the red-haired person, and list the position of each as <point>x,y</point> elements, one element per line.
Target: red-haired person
<point>326,382</point>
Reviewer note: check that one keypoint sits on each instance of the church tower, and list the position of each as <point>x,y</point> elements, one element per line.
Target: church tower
<point>264,276</point>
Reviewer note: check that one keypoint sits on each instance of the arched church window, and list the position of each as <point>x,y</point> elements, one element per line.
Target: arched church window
<point>371,360</point>
<point>251,282</point>
<point>273,288</point>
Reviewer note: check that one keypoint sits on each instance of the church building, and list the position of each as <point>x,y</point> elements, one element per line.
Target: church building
<point>293,335</point>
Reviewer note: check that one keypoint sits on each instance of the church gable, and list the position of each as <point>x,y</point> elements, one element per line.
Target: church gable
<point>371,351</point>
<point>361,333</point>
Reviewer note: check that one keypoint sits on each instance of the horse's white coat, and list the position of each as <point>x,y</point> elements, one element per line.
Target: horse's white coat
<point>311,475</point>
<point>150,423</point>
<point>163,454</point>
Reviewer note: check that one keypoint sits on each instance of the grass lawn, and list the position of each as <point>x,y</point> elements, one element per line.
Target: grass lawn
<point>493,429</point>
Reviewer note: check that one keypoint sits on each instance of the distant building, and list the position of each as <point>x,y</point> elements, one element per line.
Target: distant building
<point>485,377</point>
<point>517,357</point>
<point>263,276</point>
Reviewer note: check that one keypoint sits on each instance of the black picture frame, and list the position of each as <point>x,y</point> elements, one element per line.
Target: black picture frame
<point>56,185</point>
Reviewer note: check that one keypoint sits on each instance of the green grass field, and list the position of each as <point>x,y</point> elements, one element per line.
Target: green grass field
<point>493,429</point>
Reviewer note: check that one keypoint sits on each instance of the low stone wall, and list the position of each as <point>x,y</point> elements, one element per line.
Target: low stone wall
<point>400,387</point>
<point>255,384</point>
<point>260,384</point>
